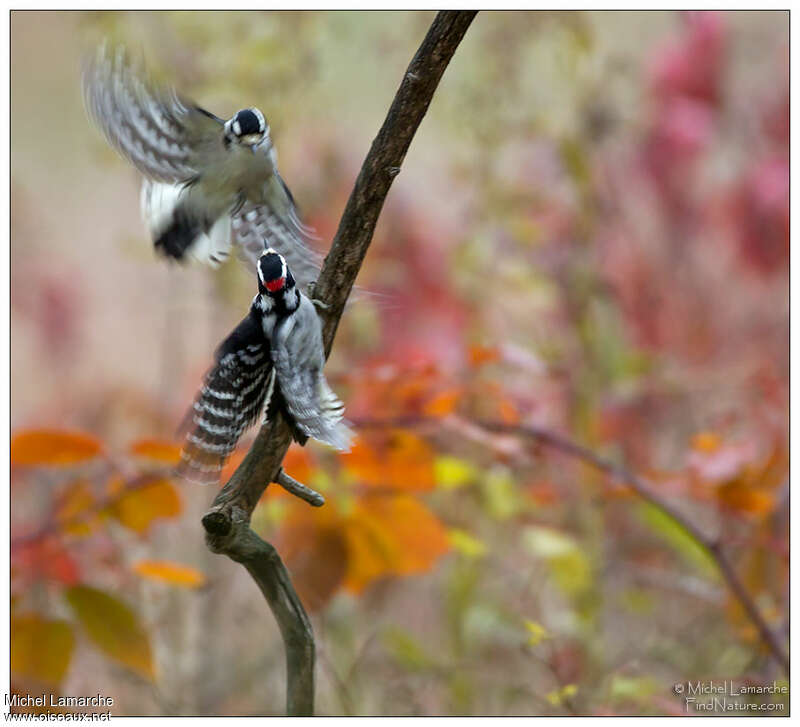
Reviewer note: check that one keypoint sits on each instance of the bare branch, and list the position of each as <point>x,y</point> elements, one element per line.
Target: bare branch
<point>227,521</point>
<point>298,489</point>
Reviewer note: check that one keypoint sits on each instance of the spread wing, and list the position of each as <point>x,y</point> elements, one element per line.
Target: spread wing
<point>163,135</point>
<point>232,398</point>
<point>276,224</point>
<point>297,354</point>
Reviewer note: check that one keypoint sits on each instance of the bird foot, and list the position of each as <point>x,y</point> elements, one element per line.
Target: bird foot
<point>321,304</point>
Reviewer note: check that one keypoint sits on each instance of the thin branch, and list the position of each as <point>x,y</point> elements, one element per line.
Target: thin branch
<point>636,483</point>
<point>298,489</point>
<point>227,521</point>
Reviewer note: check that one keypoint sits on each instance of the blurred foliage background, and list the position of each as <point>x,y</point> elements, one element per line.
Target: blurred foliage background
<point>589,234</point>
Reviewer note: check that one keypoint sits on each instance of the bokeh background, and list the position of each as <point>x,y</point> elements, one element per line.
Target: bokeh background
<point>589,235</point>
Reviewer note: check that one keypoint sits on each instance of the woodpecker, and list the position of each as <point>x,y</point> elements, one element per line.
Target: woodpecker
<point>272,360</point>
<point>209,183</point>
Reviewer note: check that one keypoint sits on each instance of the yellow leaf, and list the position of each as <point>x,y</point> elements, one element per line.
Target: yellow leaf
<point>73,513</point>
<point>536,632</point>
<point>452,473</point>
<point>46,447</point>
<point>558,696</point>
<point>138,507</point>
<point>40,650</point>
<point>157,450</point>
<point>467,544</point>
<point>113,627</point>
<point>174,573</point>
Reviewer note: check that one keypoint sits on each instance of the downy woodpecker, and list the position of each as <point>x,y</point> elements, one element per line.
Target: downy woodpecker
<point>274,359</point>
<point>209,183</point>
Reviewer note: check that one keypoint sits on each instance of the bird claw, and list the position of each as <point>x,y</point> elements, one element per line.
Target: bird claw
<point>321,304</point>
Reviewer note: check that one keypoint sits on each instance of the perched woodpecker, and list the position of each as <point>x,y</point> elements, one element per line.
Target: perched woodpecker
<point>209,183</point>
<point>273,359</point>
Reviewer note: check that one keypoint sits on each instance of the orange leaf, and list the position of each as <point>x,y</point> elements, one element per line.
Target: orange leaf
<point>480,355</point>
<point>137,507</point>
<point>41,650</point>
<point>706,442</point>
<point>739,496</point>
<point>157,450</point>
<point>391,536</point>
<point>395,459</point>
<point>174,573</point>
<point>113,627</point>
<point>299,463</point>
<point>313,546</point>
<point>46,447</point>
<point>443,403</point>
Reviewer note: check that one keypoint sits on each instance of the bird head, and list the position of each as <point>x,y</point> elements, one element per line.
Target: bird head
<point>274,277</point>
<point>247,127</point>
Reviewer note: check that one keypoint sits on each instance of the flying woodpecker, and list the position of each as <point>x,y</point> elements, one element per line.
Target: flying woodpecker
<point>210,184</point>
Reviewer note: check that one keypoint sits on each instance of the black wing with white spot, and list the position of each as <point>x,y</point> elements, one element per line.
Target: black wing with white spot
<point>163,135</point>
<point>232,398</point>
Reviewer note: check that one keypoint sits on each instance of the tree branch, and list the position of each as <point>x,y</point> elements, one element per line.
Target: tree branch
<point>227,521</point>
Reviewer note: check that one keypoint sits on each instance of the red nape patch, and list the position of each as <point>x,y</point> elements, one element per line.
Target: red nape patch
<point>274,285</point>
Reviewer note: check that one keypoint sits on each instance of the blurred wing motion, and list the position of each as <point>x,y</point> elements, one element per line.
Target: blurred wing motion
<point>232,398</point>
<point>257,227</point>
<point>161,134</point>
<point>203,189</point>
<point>298,356</point>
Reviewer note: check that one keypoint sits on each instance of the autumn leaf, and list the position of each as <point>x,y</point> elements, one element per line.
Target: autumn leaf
<point>157,450</point>
<point>391,536</point>
<point>443,403</point>
<point>113,627</point>
<point>41,650</point>
<point>480,355</point>
<point>172,573</point>
<point>395,459</point>
<point>54,448</point>
<point>137,507</point>
<point>312,543</point>
<point>74,508</point>
<point>375,536</point>
<point>45,559</point>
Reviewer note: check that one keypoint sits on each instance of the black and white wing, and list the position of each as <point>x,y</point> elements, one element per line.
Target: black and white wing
<point>276,224</point>
<point>163,135</point>
<point>232,398</point>
<point>298,356</point>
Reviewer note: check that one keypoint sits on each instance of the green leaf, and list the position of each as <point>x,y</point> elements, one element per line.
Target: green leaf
<point>406,649</point>
<point>632,689</point>
<point>113,627</point>
<point>40,650</point>
<point>679,538</point>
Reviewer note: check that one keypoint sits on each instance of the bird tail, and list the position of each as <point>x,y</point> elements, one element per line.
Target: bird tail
<point>179,234</point>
